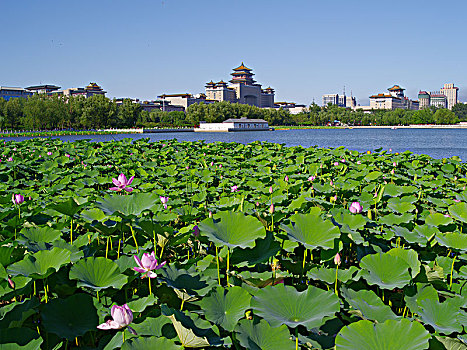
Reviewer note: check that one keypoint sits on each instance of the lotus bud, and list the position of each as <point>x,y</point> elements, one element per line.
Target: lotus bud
<point>271,209</point>
<point>210,214</point>
<point>286,178</point>
<point>17,199</point>
<point>270,189</point>
<point>337,259</point>
<point>234,188</point>
<point>355,208</point>
<point>11,283</point>
<point>311,178</point>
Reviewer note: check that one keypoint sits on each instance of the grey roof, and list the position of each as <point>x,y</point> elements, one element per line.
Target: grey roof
<point>244,120</point>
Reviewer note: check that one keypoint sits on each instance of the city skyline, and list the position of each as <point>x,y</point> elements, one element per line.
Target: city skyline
<point>145,49</point>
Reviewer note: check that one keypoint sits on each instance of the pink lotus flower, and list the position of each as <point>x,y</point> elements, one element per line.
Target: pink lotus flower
<point>359,162</point>
<point>337,259</point>
<point>49,153</point>
<point>17,199</point>
<point>286,178</point>
<point>355,208</point>
<point>121,317</point>
<point>234,188</point>
<point>336,163</point>
<point>311,178</point>
<point>10,159</point>
<point>164,201</point>
<point>67,155</point>
<point>271,209</point>
<point>147,263</point>
<point>121,183</point>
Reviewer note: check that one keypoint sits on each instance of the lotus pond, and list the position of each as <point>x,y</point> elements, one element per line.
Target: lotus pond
<point>139,245</point>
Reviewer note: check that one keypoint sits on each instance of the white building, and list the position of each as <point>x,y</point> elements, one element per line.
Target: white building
<point>451,93</point>
<point>242,124</point>
<point>393,100</point>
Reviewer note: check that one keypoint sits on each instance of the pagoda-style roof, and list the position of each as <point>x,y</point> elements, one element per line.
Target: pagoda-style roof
<point>384,96</point>
<point>269,88</point>
<point>210,83</point>
<point>242,73</point>
<point>43,87</point>
<point>395,88</point>
<point>221,82</point>
<point>242,67</point>
<point>186,95</point>
<point>93,87</point>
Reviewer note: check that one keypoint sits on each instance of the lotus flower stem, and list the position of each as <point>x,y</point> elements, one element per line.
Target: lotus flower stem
<point>228,266</point>
<point>335,285</point>
<point>405,309</point>
<point>181,306</point>
<point>155,245</point>
<point>162,251</point>
<point>123,335</point>
<point>149,281</point>
<point>134,238</point>
<point>118,251</point>
<point>218,271</point>
<point>34,286</point>
<point>45,292</point>
<point>107,247</point>
<point>296,338</point>
<point>71,231</point>
<point>97,295</point>
<point>452,270</point>
<point>304,258</point>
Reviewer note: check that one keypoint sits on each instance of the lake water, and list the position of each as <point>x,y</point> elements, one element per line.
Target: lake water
<point>437,143</point>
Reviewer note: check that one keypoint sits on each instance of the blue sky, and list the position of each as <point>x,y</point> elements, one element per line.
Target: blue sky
<point>303,49</point>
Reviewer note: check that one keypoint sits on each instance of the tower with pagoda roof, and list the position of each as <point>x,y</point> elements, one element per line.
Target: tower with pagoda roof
<point>242,89</point>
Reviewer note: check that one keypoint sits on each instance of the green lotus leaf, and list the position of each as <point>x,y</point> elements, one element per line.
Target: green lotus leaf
<point>368,305</point>
<point>226,307</point>
<point>263,250</point>
<point>232,229</point>
<point>140,304</point>
<point>41,264</point>
<point>145,343</point>
<point>69,207</point>
<point>426,230</point>
<point>410,256</point>
<point>410,236</point>
<point>399,205</point>
<point>261,336</point>
<point>329,275</point>
<point>373,175</point>
<point>192,331</point>
<point>40,234</point>
<point>392,334</point>
<point>453,240</point>
<point>283,304</point>
<point>446,343</point>
<point>129,205</point>
<point>71,317</point>
<point>459,211</point>
<point>443,317</point>
<point>384,270</point>
<point>393,219</point>
<point>311,230</point>
<point>189,281</point>
<point>97,273</point>
<point>353,221</point>
<point>19,339</point>
<point>437,219</point>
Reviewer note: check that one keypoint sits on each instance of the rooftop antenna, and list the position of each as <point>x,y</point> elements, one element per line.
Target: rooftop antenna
<point>344,90</point>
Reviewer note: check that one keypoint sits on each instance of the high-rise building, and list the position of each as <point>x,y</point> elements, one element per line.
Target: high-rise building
<point>451,93</point>
<point>330,98</point>
<point>423,99</point>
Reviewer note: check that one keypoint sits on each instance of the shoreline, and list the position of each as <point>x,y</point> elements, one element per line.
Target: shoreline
<point>414,126</point>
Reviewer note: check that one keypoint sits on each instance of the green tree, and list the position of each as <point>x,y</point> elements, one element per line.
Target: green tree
<point>460,110</point>
<point>13,112</point>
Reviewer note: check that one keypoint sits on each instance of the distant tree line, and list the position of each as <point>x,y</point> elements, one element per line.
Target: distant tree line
<point>41,112</point>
